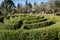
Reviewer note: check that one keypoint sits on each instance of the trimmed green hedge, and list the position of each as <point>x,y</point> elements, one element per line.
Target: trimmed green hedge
<point>7,26</point>
<point>10,26</point>
<point>38,25</point>
<point>34,17</point>
<point>51,32</point>
<point>35,21</point>
<point>59,35</point>
<point>48,33</point>
<point>45,34</point>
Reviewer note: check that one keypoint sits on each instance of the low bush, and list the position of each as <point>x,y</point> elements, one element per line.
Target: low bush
<point>34,18</point>
<point>6,26</point>
<point>44,34</point>
<point>48,33</point>
<point>2,19</point>
<point>59,35</point>
<point>8,17</point>
<point>35,21</point>
<point>13,16</point>
<point>38,25</point>
<point>11,26</point>
<point>16,29</point>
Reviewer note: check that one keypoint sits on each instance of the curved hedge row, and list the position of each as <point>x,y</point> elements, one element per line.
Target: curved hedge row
<point>51,32</point>
<point>48,33</point>
<point>34,18</point>
<point>38,25</point>
<point>27,18</point>
<point>35,21</point>
<point>28,21</point>
<point>6,26</point>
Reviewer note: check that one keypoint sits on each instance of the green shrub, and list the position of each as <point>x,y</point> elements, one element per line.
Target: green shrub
<point>6,26</point>
<point>2,19</point>
<point>8,17</point>
<point>59,35</point>
<point>13,16</point>
<point>34,18</point>
<point>43,30</point>
<point>10,26</point>
<point>6,34</point>
<point>11,34</point>
<point>35,21</point>
<point>38,25</point>
<point>49,33</point>
<point>45,34</point>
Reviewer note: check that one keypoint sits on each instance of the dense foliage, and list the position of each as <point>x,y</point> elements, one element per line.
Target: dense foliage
<point>30,27</point>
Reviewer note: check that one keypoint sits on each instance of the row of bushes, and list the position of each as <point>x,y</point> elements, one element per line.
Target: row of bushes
<point>45,33</point>
<point>13,18</point>
<point>39,24</point>
<point>11,25</point>
<point>23,15</point>
<point>19,15</point>
<point>48,33</point>
<point>34,18</point>
<point>6,26</point>
<point>35,21</point>
<point>38,17</point>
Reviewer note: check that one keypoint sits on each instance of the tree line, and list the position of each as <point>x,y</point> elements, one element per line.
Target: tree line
<point>8,7</point>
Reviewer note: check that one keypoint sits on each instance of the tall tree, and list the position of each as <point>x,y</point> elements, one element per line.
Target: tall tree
<point>54,5</point>
<point>28,6</point>
<point>42,6</point>
<point>35,7</point>
<point>7,5</point>
<point>57,3</point>
<point>26,2</point>
<point>51,6</point>
<point>19,7</point>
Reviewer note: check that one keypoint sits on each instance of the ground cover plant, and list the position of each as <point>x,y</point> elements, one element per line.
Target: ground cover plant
<point>30,27</point>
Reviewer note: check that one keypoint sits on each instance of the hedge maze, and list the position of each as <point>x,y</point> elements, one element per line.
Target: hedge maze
<point>27,21</point>
<point>30,27</point>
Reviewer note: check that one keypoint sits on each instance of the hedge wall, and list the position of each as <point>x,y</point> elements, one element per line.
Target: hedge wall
<point>48,33</point>
<point>51,32</point>
<point>38,25</point>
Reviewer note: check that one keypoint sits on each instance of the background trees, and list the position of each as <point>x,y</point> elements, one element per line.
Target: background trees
<point>57,4</point>
<point>54,5</point>
<point>8,6</point>
<point>19,8</point>
<point>36,7</point>
<point>28,7</point>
